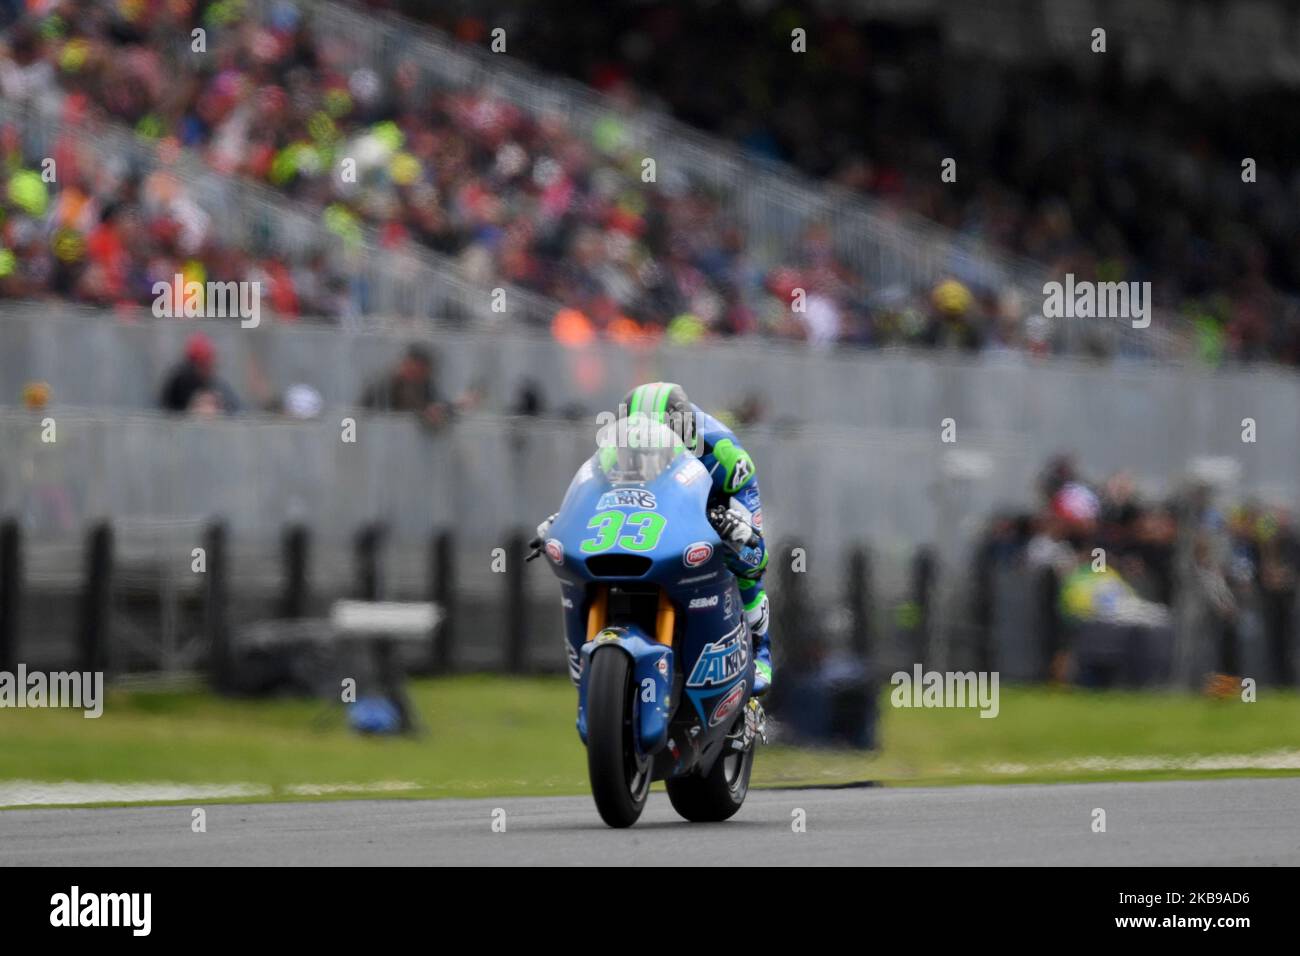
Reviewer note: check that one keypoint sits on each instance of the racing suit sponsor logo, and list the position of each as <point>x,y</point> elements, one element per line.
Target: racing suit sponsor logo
<point>703,602</point>
<point>742,472</point>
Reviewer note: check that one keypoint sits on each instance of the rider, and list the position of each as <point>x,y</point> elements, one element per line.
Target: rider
<point>734,507</point>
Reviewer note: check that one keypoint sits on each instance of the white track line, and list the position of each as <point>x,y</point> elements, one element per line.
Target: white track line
<point>28,793</point>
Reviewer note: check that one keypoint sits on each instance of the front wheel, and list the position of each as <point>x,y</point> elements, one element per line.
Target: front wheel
<point>717,795</point>
<point>620,780</point>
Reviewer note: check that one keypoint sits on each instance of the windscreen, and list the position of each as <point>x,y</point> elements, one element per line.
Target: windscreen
<point>636,449</point>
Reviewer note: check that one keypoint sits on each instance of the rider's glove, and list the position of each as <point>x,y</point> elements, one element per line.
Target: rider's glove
<point>732,527</point>
<point>543,532</point>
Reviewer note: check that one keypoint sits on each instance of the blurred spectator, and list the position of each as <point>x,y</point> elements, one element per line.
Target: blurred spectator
<point>409,387</point>
<point>529,400</point>
<point>1229,576</point>
<point>193,385</point>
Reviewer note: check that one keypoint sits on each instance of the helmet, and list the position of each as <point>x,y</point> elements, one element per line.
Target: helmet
<point>664,402</point>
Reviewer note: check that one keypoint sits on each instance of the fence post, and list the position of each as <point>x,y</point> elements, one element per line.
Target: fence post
<point>1049,616</point>
<point>442,591</point>
<point>858,599</point>
<point>97,598</point>
<point>369,540</point>
<point>11,591</point>
<point>295,552</point>
<point>515,605</point>
<point>982,602</point>
<point>220,656</point>
<point>795,623</point>
<point>923,575</point>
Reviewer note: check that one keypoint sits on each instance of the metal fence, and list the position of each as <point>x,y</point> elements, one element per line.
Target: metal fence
<point>161,483</point>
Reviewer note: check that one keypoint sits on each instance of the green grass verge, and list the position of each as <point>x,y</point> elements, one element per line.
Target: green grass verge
<point>498,736</point>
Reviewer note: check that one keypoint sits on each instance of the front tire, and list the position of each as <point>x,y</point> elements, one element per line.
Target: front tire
<point>620,780</point>
<point>717,795</point>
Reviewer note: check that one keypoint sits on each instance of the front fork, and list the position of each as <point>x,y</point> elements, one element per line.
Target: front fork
<point>652,668</point>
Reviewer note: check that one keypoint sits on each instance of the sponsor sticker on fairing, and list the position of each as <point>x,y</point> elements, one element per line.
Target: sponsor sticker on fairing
<point>721,662</point>
<point>555,550</point>
<point>727,706</point>
<point>697,554</point>
<point>628,498</point>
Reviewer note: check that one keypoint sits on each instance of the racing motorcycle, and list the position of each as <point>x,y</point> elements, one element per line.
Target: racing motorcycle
<point>656,635</point>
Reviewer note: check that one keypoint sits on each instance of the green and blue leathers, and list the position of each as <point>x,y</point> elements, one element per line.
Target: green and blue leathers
<point>735,489</point>
<point>735,485</point>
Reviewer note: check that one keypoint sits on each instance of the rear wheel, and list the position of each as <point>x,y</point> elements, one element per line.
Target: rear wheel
<point>718,794</point>
<point>620,780</point>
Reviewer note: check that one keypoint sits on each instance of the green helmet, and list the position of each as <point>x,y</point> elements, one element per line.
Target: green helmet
<point>665,403</point>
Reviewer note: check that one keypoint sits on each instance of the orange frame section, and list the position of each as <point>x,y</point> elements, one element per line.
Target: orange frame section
<point>665,622</point>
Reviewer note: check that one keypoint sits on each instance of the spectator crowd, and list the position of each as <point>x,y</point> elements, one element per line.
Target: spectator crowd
<point>1087,174</point>
<point>1132,188</point>
<point>1225,570</point>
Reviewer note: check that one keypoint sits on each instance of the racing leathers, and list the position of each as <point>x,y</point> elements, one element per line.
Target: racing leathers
<point>734,507</point>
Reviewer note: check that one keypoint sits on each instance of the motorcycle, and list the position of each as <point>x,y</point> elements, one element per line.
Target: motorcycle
<point>655,630</point>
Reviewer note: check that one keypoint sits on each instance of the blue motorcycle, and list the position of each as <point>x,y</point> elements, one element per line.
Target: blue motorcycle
<point>655,631</point>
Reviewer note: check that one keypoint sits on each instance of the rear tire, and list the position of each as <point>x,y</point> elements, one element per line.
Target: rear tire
<point>717,795</point>
<point>620,781</point>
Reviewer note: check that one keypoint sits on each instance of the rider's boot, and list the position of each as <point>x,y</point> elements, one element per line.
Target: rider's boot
<point>756,613</point>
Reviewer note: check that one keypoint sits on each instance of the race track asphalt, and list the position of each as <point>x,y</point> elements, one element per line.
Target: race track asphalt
<point>1195,823</point>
